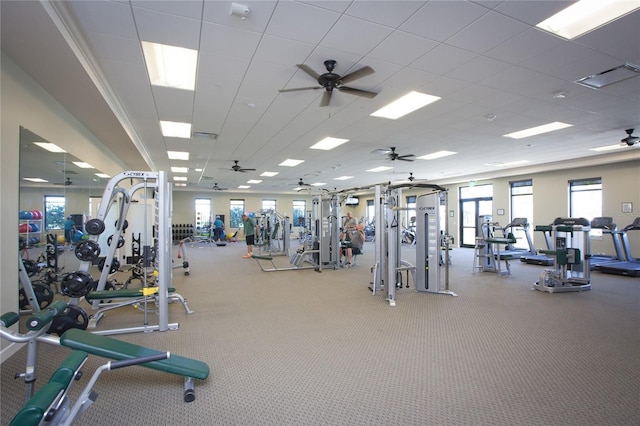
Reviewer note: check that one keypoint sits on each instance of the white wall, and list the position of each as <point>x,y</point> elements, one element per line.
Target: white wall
<point>24,103</point>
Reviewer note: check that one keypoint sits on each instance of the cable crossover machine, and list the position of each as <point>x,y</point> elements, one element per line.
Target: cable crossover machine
<point>430,269</point>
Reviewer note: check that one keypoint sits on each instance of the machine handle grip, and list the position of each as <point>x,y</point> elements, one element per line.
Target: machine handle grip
<point>139,360</point>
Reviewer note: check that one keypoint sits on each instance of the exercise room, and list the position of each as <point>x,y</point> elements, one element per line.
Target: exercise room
<point>320,213</point>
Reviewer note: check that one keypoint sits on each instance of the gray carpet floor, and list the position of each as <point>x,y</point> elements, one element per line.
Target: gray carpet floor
<point>309,348</point>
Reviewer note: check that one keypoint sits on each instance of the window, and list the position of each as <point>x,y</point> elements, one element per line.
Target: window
<point>54,212</point>
<point>203,215</point>
<point>268,205</point>
<point>236,209</point>
<point>299,212</point>
<point>411,211</point>
<point>522,206</point>
<point>585,200</point>
<point>371,212</point>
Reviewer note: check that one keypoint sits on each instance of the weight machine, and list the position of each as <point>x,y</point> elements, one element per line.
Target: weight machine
<point>155,254</point>
<point>275,230</point>
<point>431,271</point>
<point>571,251</point>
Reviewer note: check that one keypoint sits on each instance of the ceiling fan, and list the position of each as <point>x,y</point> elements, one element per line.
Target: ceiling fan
<point>217,188</point>
<point>630,139</point>
<point>236,168</point>
<point>331,80</point>
<point>67,182</point>
<point>393,155</point>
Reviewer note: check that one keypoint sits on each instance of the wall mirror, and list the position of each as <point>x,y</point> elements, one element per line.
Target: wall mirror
<point>53,186</point>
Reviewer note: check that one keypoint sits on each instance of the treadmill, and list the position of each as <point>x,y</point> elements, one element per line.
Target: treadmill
<point>608,227</point>
<point>631,266</point>
<point>539,258</point>
<point>510,251</point>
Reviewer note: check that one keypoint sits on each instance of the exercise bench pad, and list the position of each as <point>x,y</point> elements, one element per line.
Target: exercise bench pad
<point>262,257</point>
<point>108,347</point>
<point>35,409</point>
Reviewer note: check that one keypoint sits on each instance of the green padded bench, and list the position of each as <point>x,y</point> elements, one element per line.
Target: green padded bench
<point>108,347</point>
<point>48,397</point>
<point>125,293</point>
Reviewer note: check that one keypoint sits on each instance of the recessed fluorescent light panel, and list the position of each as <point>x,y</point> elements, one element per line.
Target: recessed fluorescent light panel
<point>608,148</point>
<point>178,155</point>
<point>291,163</point>
<point>329,143</point>
<point>545,128</point>
<point>102,175</point>
<point>254,181</point>
<point>405,105</point>
<point>39,180</point>
<point>180,178</point>
<point>170,66</point>
<point>343,178</point>
<point>586,15</point>
<point>83,165</point>
<point>174,129</point>
<point>244,187</point>
<point>269,174</point>
<point>380,169</point>
<point>180,169</point>
<point>438,154</point>
<point>51,147</point>
<point>179,184</point>
<point>318,184</point>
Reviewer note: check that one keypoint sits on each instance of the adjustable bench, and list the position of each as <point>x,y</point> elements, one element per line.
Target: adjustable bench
<point>108,347</point>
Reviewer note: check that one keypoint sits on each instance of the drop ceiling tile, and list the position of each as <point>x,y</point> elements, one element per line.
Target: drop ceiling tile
<point>402,48</point>
<point>228,41</point>
<point>532,12</point>
<point>439,20</point>
<point>443,59</point>
<point>188,9</point>
<point>110,18</point>
<point>529,43</point>
<point>162,28</point>
<point>219,12</point>
<point>478,69</point>
<point>487,32</point>
<point>388,13</point>
<point>302,22</point>
<point>341,36</point>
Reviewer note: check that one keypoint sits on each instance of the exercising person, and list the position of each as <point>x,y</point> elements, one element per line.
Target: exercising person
<point>250,231</point>
<point>218,229</point>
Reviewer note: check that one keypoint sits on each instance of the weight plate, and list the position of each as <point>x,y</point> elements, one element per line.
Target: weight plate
<point>120,241</point>
<point>44,294</point>
<point>115,265</point>
<point>76,284</point>
<point>87,250</point>
<point>94,226</point>
<point>72,317</point>
<point>30,266</point>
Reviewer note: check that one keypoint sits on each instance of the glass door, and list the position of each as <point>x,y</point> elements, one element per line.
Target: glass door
<point>471,209</point>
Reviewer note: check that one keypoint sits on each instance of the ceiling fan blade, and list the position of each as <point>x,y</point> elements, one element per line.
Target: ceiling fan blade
<point>357,92</point>
<point>408,157</point>
<point>248,170</point>
<point>301,88</point>
<point>309,70</point>
<point>362,72</point>
<point>381,151</point>
<point>326,98</point>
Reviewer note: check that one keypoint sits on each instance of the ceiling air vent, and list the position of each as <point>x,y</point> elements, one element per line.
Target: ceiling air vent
<point>614,75</point>
<point>205,135</point>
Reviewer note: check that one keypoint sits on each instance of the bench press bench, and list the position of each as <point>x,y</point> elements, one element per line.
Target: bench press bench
<point>51,404</point>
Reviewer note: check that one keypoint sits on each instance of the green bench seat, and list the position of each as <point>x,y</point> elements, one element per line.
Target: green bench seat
<point>125,293</point>
<point>108,347</point>
<point>38,405</point>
